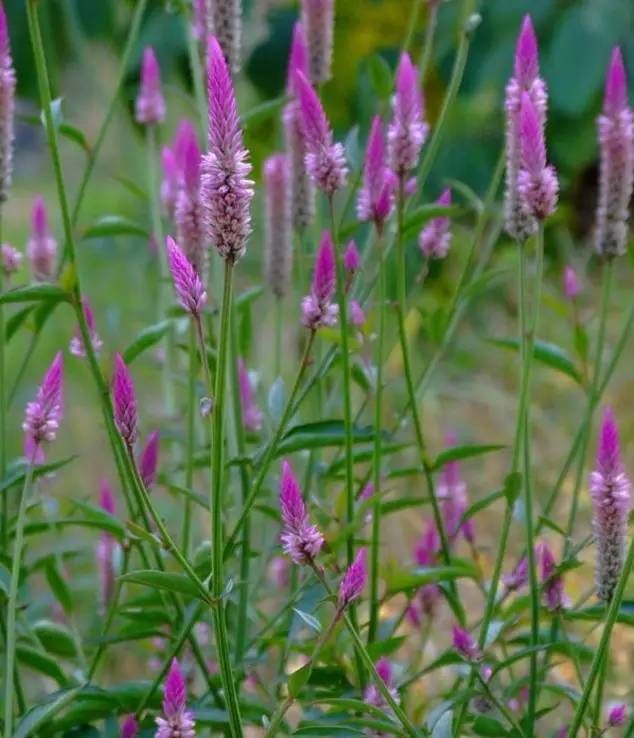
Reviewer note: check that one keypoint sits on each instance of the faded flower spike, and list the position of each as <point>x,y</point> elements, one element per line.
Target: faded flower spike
<point>354,580</point>
<point>251,413</point>
<point>375,197</point>
<point>225,22</point>
<point>317,309</point>
<point>616,142</point>
<point>43,415</point>
<point>351,258</point>
<point>435,238</point>
<point>572,286</point>
<point>301,540</point>
<point>325,160</point>
<point>150,104</point>
<point>177,721</point>
<point>7,107</point>
<point>170,184</point>
<point>106,548</point>
<point>189,289</point>
<point>226,191</point>
<point>318,18</point>
<point>357,316</point>
<point>41,247</point>
<point>278,246</point>
<point>518,578</point>
<point>129,727</point>
<point>372,694</point>
<point>188,211</point>
<point>148,460</point>
<point>617,715</point>
<point>552,581</point>
<point>408,131</point>
<point>11,259</point>
<point>452,491</point>
<point>610,491</point>
<point>77,347</point>
<point>465,645</point>
<point>124,401</point>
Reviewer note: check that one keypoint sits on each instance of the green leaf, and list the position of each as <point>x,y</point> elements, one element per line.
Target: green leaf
<point>58,586</point>
<point>56,113</point>
<point>380,76</point>
<point>101,519</point>
<point>75,135</point>
<point>385,647</point>
<point>35,293</point>
<point>263,112</point>
<point>464,452</point>
<point>147,338</point>
<point>546,353</point>
<point>310,620</point>
<point>43,713</point>
<point>481,505</point>
<point>425,213</point>
<point>401,580</point>
<point>488,726</point>
<point>16,320</point>
<point>55,638</point>
<point>597,613</point>
<point>321,434</point>
<point>115,225</point>
<point>17,475</point>
<point>40,662</point>
<point>581,342</point>
<point>317,730</point>
<point>246,298</point>
<point>162,580</point>
<point>298,679</point>
<point>512,487</point>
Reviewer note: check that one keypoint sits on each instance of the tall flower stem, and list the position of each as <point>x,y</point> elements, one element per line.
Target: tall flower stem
<point>191,437</point>
<point>3,414</point>
<point>12,605</point>
<point>216,502</point>
<point>428,43</point>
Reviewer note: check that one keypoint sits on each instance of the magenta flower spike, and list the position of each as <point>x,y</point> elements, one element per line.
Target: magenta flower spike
<point>201,20</point>
<point>435,238</point>
<point>43,415</point>
<point>185,134</point>
<point>251,414</point>
<point>124,401</point>
<point>278,245</point>
<point>317,309</point>
<point>353,581</point>
<point>572,285</point>
<point>465,645</point>
<point>537,182</point>
<point>150,103</point>
<point>41,247</point>
<point>616,170</point>
<point>7,107</point>
<point>617,715</point>
<point>610,491</point>
<point>170,184</point>
<point>372,695</point>
<point>518,578</point>
<point>129,727</point>
<point>552,581</point>
<point>187,284</point>
<point>452,491</point>
<point>408,130</point>
<point>325,161</point>
<point>177,721</point>
<point>426,554</point>
<point>226,190</point>
<point>188,213</point>
<point>106,549</point>
<point>10,260</point>
<point>357,316</point>
<point>376,196</point>
<point>77,347</point>
<point>301,540</point>
<point>351,257</point>
<point>148,460</point>
<point>318,18</point>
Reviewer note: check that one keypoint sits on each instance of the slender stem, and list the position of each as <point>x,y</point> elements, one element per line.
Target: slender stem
<point>428,44</point>
<point>411,23</point>
<point>194,51</point>
<point>217,505</point>
<point>191,437</point>
<point>3,413</point>
<point>598,697</point>
<point>499,704</point>
<point>12,604</point>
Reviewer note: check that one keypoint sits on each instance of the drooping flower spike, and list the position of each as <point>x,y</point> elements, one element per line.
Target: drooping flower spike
<point>616,177</point>
<point>552,582</point>
<point>177,721</point>
<point>317,308</point>
<point>325,160</point>
<point>435,238</point>
<point>150,103</point>
<point>7,107</point>
<point>189,288</point>
<point>465,645</point>
<point>106,549</point>
<point>301,540</point>
<point>226,191</point>
<point>318,18</point>
<point>77,347</point>
<point>572,286</point>
<point>251,414</point>
<point>610,491</point>
<point>43,415</point>
<point>354,580</point>
<point>278,246</point>
<point>124,401</point>
<point>188,212</point>
<point>10,260</point>
<point>148,460</point>
<point>41,248</point>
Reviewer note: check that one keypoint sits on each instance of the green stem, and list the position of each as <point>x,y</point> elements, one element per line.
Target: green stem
<point>4,530</point>
<point>12,604</point>
<point>195,66</point>
<point>217,506</point>
<point>191,437</point>
<point>500,705</point>
<point>598,697</point>
<point>411,23</point>
<point>428,44</point>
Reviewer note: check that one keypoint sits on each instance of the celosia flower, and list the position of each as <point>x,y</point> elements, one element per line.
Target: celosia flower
<point>435,238</point>
<point>177,721</point>
<point>317,309</point>
<point>77,347</point>
<point>407,132</point>
<point>185,134</point>
<point>426,554</point>
<point>372,694</point>
<point>357,316</point>
<point>325,160</point>
<point>465,645</point>
<point>452,491</point>
<point>129,727</point>
<point>278,246</point>
<point>301,540</point>
<point>318,18</point>
<point>617,715</point>
<point>226,191</point>
<point>201,20</point>
<point>187,284</point>
<point>150,103</point>
<point>41,247</point>
<point>170,184</point>
<point>616,140</point>
<point>11,259</point>
<point>226,24</point>
<point>610,491</point>
<point>375,198</point>
<point>572,287</point>
<point>124,401</point>
<point>7,107</point>
<point>188,212</point>
<point>251,413</point>
<point>518,578</point>
<point>351,257</point>
<point>353,581</point>
<point>552,581</point>
<point>537,182</point>
<point>106,548</point>
<point>302,190</point>
<point>148,460</point>
<point>43,415</point>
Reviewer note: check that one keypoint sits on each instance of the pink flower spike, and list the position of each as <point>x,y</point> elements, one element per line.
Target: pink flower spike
<point>106,497</point>
<point>526,66</point>
<point>43,415</point>
<point>291,501</point>
<point>452,491</point>
<point>41,248</point>
<point>352,257</point>
<point>617,715</point>
<point>150,104</point>
<point>357,316</point>
<point>317,309</point>
<point>519,576</point>
<point>408,131</point>
<point>188,212</point>
<point>354,580</point>
<point>148,461</point>
<point>375,197</point>
<point>435,238</point>
<point>297,58</point>
<point>170,181</point>
<point>615,99</point>
<point>301,540</point>
<point>226,191</point>
<point>177,720</point>
<point>77,347</point>
<point>572,286</point>
<point>251,413</point>
<point>200,21</point>
<point>465,645</point>
<point>318,18</point>
<point>278,242</point>
<point>372,695</point>
<point>124,401</point>
<point>10,260</point>
<point>552,582</point>
<point>185,134</point>
<point>189,289</point>
<point>7,107</point>
<point>129,727</point>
